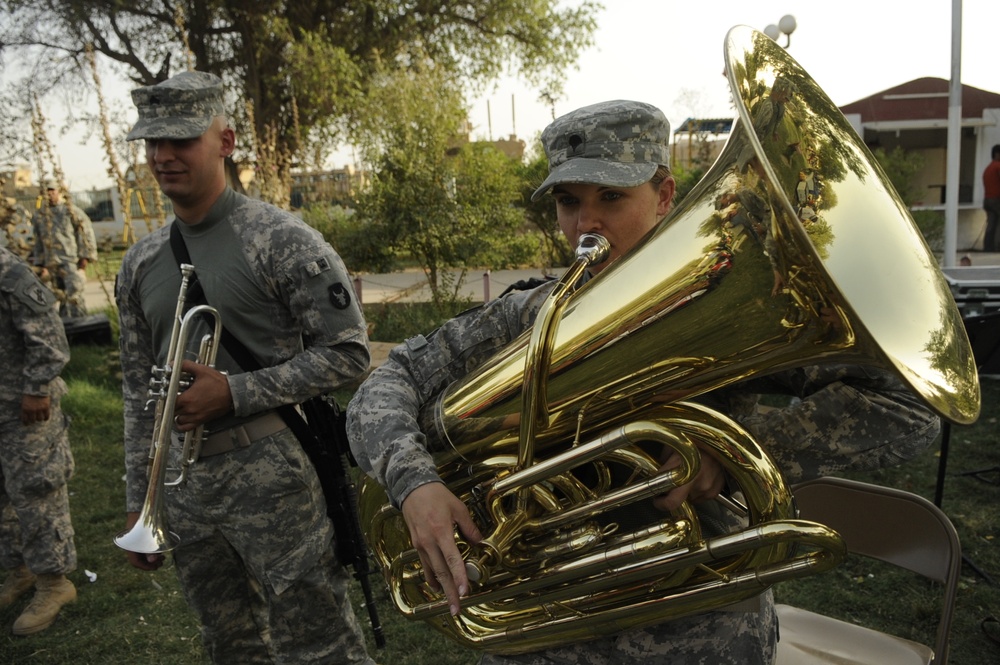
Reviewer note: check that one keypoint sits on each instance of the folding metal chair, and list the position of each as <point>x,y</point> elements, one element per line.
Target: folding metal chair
<point>891,525</point>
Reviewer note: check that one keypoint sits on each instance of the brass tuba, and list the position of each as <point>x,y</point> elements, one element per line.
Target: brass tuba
<point>793,250</point>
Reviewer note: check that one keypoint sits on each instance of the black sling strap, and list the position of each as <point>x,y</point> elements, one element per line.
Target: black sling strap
<point>233,346</point>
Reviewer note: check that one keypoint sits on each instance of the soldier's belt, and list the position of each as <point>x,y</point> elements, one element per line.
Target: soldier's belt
<point>242,435</point>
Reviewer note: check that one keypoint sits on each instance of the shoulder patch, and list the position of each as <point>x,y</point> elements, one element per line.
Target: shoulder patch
<point>340,296</point>
<point>33,293</point>
<point>416,344</point>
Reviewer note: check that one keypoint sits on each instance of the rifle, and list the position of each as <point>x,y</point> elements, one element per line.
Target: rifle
<point>330,453</point>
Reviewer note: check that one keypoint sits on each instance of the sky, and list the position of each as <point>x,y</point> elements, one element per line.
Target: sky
<point>670,53</point>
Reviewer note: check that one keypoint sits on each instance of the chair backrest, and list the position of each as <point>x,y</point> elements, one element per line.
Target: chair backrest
<point>891,525</point>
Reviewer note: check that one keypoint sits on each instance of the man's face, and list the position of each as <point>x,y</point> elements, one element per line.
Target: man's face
<point>623,215</point>
<point>190,170</point>
<point>53,195</point>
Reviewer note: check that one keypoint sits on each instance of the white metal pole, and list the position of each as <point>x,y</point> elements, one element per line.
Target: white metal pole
<point>954,138</point>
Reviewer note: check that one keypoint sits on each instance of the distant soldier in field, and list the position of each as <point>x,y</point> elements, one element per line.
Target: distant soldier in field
<point>64,245</point>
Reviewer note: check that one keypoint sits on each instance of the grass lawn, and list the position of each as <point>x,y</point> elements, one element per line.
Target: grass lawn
<point>129,617</point>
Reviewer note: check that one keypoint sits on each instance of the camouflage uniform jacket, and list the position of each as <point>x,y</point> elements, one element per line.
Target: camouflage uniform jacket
<point>60,242</point>
<point>33,347</point>
<point>279,288</point>
<point>846,416</point>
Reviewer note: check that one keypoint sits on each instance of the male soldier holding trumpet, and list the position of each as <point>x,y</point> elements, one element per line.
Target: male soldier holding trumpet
<point>255,558</point>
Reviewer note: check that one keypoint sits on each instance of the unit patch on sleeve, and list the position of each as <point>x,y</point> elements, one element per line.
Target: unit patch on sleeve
<point>340,296</point>
<point>31,292</point>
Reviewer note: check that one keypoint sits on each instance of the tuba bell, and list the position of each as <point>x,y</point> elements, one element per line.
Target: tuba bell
<point>793,250</point>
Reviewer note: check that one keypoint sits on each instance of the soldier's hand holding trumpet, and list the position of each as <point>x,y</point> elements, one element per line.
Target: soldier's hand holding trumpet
<point>207,398</point>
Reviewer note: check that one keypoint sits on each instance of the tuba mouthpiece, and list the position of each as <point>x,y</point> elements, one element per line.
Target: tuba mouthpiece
<point>593,248</point>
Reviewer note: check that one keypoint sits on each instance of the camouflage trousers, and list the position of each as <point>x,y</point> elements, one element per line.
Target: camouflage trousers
<point>74,284</point>
<point>256,559</point>
<point>35,465</point>
<point>725,637</point>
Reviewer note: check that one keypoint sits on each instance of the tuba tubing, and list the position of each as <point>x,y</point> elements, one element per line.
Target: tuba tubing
<point>775,260</point>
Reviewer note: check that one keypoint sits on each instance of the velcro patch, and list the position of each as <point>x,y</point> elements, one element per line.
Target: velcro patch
<point>317,267</point>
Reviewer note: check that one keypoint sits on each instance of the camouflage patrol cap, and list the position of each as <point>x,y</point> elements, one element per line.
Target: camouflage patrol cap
<point>182,107</point>
<point>618,143</point>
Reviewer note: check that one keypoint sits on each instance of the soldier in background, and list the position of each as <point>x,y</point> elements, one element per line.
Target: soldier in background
<point>36,534</point>
<point>64,245</point>
<point>991,201</point>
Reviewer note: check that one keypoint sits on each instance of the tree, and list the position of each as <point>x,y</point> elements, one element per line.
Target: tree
<point>302,68</point>
<point>686,179</point>
<point>542,213</point>
<point>445,203</point>
<point>903,168</point>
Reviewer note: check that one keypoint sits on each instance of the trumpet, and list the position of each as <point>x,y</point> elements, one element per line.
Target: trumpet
<point>151,533</point>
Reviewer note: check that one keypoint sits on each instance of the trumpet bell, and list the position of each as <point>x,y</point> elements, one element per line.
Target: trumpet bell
<point>149,535</point>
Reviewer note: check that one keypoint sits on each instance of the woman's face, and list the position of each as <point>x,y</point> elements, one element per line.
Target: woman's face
<point>623,215</point>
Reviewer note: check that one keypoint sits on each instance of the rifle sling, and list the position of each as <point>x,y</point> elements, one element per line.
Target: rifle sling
<point>234,347</point>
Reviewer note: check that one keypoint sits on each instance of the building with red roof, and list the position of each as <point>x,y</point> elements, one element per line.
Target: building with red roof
<point>914,116</point>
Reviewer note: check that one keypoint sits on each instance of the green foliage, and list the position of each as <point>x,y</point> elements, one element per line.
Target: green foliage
<point>126,616</point>
<point>931,225</point>
<point>902,167</point>
<point>487,189</point>
<point>362,245</point>
<point>398,321</point>
<point>542,213</point>
<point>686,179</point>
<point>305,66</point>
<point>441,204</point>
